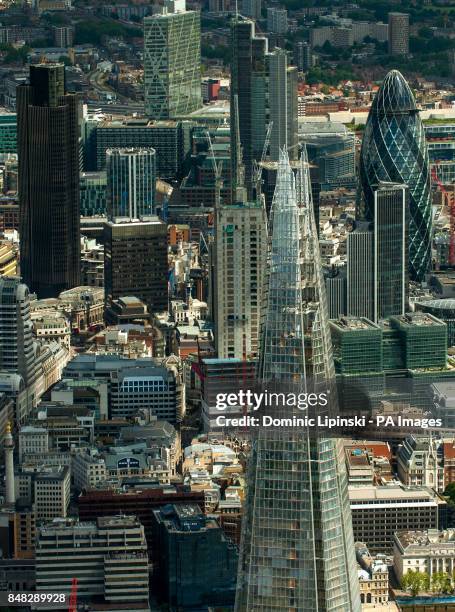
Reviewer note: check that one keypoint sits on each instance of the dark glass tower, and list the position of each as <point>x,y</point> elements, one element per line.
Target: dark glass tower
<point>394,150</point>
<point>48,149</point>
<point>297,549</point>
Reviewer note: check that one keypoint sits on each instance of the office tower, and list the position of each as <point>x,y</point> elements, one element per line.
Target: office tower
<point>8,445</point>
<point>92,190</point>
<point>330,147</point>
<point>17,354</point>
<point>303,58</point>
<point>394,150</point>
<point>252,8</point>
<point>108,557</point>
<point>336,291</point>
<point>297,548</point>
<point>360,271</point>
<point>172,61</point>
<point>398,33</point>
<point>165,137</point>
<point>390,250</point>
<point>248,87</point>
<point>135,261</point>
<point>282,102</point>
<point>277,20</point>
<point>48,149</point>
<point>198,564</point>
<point>265,88</point>
<point>131,178</point>
<point>240,253</point>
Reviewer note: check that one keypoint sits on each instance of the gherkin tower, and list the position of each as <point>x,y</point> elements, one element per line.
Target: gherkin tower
<point>394,150</point>
<point>297,550</point>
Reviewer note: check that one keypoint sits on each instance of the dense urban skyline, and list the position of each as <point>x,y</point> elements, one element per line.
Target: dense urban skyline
<point>227,306</point>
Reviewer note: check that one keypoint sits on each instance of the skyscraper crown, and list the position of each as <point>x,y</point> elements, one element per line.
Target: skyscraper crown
<point>394,95</point>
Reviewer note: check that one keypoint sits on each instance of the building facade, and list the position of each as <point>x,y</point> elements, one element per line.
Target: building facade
<point>398,33</point>
<point>172,61</point>
<point>394,150</point>
<point>131,178</point>
<point>297,550</point>
<point>48,148</point>
<point>135,261</point>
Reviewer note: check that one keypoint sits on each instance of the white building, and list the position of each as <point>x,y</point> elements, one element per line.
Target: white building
<point>419,463</point>
<point>108,558</point>
<point>89,470</point>
<point>33,440</point>
<point>428,551</point>
<point>52,493</point>
<point>239,260</point>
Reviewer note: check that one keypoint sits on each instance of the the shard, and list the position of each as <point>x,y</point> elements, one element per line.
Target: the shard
<point>297,551</point>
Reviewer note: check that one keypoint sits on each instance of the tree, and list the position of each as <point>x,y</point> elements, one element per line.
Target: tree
<point>415,582</point>
<point>450,492</point>
<point>441,583</point>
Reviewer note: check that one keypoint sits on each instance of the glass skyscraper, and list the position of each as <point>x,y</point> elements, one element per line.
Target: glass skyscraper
<point>394,150</point>
<point>297,549</point>
<point>172,61</point>
<point>131,178</point>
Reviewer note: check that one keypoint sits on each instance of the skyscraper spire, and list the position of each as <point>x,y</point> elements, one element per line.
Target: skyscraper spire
<point>297,548</point>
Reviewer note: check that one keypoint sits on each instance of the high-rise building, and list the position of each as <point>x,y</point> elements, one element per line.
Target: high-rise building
<point>359,271</point>
<point>172,61</point>
<point>394,150</point>
<point>108,557</point>
<point>63,36</point>
<point>135,261</point>
<point>391,205</point>
<point>277,20</point>
<point>48,149</point>
<point>17,354</point>
<point>398,33</point>
<point>252,8</point>
<point>282,104</point>
<point>297,549</point>
<point>303,58</point>
<point>264,88</point>
<point>131,178</point>
<point>238,269</point>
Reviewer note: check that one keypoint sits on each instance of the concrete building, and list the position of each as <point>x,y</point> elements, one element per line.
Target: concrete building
<point>427,550</point>
<point>135,261</point>
<point>52,493</point>
<point>252,9</point>
<point>32,440</point>
<point>277,20</point>
<point>134,384</point>
<point>108,557</point>
<point>237,277</point>
<point>398,33</point>
<point>172,61</point>
<point>420,463</point>
<point>379,511</point>
<point>63,36</point>
<point>373,576</point>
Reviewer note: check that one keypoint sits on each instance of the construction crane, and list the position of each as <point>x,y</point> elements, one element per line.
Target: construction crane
<point>73,596</point>
<point>257,167</point>
<point>450,203</point>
